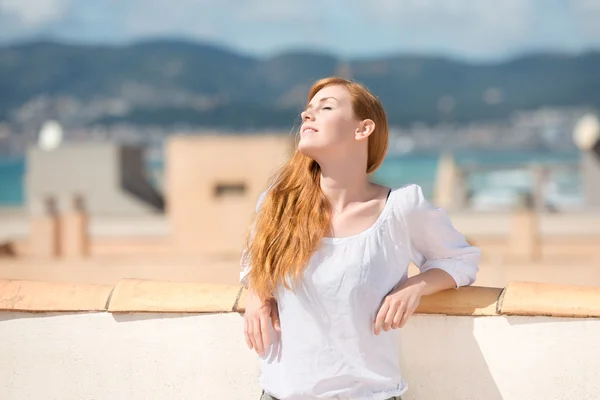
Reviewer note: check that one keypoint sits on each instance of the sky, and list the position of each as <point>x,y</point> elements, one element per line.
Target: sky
<point>468,29</point>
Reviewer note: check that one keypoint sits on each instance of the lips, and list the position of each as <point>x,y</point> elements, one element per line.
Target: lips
<point>309,129</point>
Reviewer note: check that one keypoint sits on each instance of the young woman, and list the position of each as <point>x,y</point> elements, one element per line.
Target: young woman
<point>326,262</point>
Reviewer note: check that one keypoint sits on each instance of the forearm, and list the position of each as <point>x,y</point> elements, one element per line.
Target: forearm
<point>431,281</point>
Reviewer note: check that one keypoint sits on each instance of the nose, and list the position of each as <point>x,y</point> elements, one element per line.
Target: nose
<point>307,116</point>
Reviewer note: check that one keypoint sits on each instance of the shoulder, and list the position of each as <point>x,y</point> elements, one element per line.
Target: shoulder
<point>407,198</point>
<point>410,205</point>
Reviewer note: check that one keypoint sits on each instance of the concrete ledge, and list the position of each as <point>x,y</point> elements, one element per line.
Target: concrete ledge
<point>134,295</point>
<point>532,298</point>
<point>35,296</point>
<point>241,303</point>
<point>469,300</point>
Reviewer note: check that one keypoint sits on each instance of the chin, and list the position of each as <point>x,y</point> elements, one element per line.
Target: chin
<point>309,149</point>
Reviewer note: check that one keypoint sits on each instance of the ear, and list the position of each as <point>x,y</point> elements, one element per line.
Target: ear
<point>364,130</point>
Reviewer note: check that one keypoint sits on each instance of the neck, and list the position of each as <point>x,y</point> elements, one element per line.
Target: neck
<point>344,182</point>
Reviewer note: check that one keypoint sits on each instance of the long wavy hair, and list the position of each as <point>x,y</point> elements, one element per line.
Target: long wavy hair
<point>295,214</point>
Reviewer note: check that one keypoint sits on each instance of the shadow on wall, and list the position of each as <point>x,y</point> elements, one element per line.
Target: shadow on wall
<point>432,368</point>
<point>133,178</point>
<point>431,348</point>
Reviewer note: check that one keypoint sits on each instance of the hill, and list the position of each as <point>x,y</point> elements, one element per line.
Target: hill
<point>167,82</point>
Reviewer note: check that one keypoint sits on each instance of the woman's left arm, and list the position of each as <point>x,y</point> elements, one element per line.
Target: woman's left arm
<point>442,254</point>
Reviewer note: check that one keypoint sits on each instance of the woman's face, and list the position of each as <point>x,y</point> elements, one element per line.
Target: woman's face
<point>328,123</point>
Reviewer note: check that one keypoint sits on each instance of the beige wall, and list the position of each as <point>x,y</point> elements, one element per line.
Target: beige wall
<point>180,356</point>
<point>201,222</point>
<point>524,237</point>
<point>564,238</point>
<point>224,269</point>
<point>108,176</point>
<point>165,340</point>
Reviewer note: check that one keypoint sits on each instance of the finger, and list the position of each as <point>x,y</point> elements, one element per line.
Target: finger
<point>264,328</point>
<point>397,319</point>
<point>389,317</point>
<point>275,318</point>
<point>257,335</point>
<point>405,317</point>
<point>247,334</point>
<point>251,334</point>
<point>381,316</point>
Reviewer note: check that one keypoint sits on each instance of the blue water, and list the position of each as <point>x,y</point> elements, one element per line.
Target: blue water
<point>499,186</point>
<point>12,173</point>
<point>396,171</point>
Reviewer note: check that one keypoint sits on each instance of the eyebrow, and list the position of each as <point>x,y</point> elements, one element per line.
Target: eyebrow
<point>323,100</point>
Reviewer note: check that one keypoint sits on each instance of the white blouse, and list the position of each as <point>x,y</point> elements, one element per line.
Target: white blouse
<point>327,348</point>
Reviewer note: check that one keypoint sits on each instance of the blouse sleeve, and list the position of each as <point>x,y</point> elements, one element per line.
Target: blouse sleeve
<point>245,262</point>
<point>434,243</point>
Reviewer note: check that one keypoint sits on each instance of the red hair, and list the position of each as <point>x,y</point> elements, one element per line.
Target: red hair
<point>295,214</point>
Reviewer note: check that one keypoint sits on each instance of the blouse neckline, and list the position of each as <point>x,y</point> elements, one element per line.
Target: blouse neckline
<point>380,219</point>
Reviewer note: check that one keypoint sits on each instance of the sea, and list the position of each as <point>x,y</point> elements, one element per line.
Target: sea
<point>502,177</point>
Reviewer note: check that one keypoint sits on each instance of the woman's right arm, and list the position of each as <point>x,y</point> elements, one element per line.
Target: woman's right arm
<point>259,313</point>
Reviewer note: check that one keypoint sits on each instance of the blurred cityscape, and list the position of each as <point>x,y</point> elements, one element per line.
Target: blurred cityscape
<point>512,111</point>
<point>94,121</point>
<point>144,92</point>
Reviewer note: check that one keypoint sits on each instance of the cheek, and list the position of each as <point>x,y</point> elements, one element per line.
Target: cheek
<point>334,131</point>
<point>338,130</point>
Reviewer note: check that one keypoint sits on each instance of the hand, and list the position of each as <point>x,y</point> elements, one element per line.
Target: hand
<point>259,314</point>
<point>397,306</point>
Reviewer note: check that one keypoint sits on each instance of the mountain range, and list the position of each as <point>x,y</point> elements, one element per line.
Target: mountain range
<point>166,82</point>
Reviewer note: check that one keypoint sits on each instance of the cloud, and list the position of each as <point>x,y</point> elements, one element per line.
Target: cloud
<point>478,29</point>
<point>267,11</point>
<point>458,26</point>
<point>34,13</point>
<point>483,29</point>
<point>259,26</point>
<point>587,13</point>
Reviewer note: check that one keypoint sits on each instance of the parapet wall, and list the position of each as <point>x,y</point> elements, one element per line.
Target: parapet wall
<point>165,340</point>
<point>137,296</point>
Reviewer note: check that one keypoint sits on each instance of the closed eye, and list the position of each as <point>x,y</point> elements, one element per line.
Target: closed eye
<point>326,108</point>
